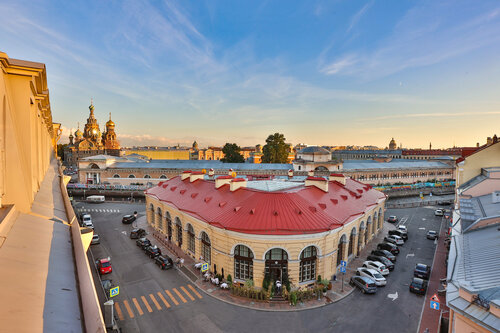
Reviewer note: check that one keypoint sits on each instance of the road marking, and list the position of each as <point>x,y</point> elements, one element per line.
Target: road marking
<point>163,299</point>
<point>145,301</point>
<point>423,218</point>
<point>410,255</point>
<point>172,297</point>
<point>194,291</point>
<point>180,296</point>
<point>421,228</point>
<point>119,311</point>
<point>155,301</point>
<point>393,296</point>
<point>129,310</point>
<point>186,292</point>
<point>137,306</point>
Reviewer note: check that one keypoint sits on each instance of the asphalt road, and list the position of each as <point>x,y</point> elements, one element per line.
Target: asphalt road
<point>139,278</point>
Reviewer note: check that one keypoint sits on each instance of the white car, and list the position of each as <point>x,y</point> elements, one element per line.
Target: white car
<point>372,274</point>
<point>402,228</point>
<point>439,212</point>
<point>394,239</point>
<point>376,265</point>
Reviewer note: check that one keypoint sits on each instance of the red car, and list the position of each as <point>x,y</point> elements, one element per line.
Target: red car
<point>104,266</point>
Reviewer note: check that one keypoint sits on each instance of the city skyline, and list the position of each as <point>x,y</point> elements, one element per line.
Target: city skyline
<point>338,73</point>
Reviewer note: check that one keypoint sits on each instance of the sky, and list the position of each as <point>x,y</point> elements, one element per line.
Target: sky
<point>320,72</point>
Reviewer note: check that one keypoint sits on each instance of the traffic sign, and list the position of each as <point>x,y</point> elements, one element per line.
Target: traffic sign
<point>343,263</point>
<point>204,267</point>
<point>342,269</point>
<point>114,291</point>
<point>435,298</point>
<point>434,305</point>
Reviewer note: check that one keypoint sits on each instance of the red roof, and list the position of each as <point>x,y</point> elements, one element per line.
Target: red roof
<point>225,177</point>
<point>299,210</point>
<point>337,175</point>
<point>315,178</point>
<point>238,180</point>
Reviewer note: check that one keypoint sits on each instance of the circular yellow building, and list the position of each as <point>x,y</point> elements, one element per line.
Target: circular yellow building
<point>298,229</point>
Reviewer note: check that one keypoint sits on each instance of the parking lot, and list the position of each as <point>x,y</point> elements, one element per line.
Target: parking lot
<point>146,300</point>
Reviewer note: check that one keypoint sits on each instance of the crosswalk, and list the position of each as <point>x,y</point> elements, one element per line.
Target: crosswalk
<point>94,210</point>
<point>163,300</point>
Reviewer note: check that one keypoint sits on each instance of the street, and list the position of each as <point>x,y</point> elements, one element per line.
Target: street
<point>145,290</point>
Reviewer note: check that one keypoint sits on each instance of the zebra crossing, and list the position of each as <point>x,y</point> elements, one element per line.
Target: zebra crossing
<point>95,210</point>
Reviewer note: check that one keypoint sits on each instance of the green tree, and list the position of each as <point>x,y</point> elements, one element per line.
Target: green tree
<point>275,150</point>
<point>232,153</point>
<point>60,150</point>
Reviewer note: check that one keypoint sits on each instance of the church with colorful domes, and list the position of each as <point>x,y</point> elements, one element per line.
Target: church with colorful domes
<point>92,141</point>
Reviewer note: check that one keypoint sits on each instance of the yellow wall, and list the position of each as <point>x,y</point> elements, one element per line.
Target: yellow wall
<point>159,154</point>
<point>223,241</point>
<point>461,324</point>
<point>27,134</point>
<point>488,157</point>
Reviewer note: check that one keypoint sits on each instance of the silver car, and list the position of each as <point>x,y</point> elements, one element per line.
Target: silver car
<point>95,239</point>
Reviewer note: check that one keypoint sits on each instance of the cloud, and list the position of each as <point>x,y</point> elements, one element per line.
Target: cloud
<point>356,17</point>
<point>450,115</point>
<point>338,65</point>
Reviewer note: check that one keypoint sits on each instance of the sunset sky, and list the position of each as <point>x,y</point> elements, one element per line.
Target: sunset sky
<point>320,72</point>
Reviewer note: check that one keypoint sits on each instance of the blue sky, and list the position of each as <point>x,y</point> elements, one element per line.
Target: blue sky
<point>321,72</point>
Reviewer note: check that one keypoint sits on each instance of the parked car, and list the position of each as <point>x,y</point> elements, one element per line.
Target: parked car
<point>389,247</point>
<point>87,221</point>
<point>372,274</point>
<point>402,234</point>
<point>364,283</point>
<point>387,263</point>
<point>439,212</point>
<point>152,251</point>
<point>143,242</point>
<point>95,239</point>
<point>394,240</point>
<point>392,219</point>
<point>444,203</point>
<point>104,266</point>
<point>385,253</point>
<point>403,228</point>
<point>418,286</point>
<point>422,271</point>
<point>137,233</point>
<point>128,219</point>
<point>431,234</point>
<point>376,265</point>
<point>164,262</point>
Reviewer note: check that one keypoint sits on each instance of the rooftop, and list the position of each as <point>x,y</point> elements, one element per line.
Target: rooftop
<point>352,165</point>
<point>314,150</point>
<point>199,165</point>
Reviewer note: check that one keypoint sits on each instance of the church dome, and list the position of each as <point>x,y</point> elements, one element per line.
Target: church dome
<point>314,150</point>
<point>392,144</point>
<point>110,122</point>
<point>78,133</point>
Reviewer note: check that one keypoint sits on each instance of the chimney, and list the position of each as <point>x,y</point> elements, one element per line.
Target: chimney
<point>236,183</point>
<point>211,172</point>
<point>222,180</point>
<point>290,173</point>
<point>338,177</point>
<point>195,176</point>
<point>230,172</point>
<point>319,182</point>
<point>185,174</point>
<point>310,173</point>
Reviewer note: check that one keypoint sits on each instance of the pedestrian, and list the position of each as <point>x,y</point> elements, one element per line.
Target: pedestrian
<point>182,262</point>
<point>178,262</point>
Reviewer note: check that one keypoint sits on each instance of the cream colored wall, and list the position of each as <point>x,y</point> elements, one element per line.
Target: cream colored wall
<point>158,154</point>
<point>471,167</point>
<point>462,324</point>
<point>27,137</point>
<point>223,242</point>
<point>487,186</point>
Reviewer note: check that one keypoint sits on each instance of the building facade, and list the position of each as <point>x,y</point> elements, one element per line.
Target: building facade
<point>91,141</point>
<point>316,158</point>
<point>250,229</point>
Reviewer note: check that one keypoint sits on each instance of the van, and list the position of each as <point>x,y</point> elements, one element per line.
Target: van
<point>95,199</point>
<point>87,221</point>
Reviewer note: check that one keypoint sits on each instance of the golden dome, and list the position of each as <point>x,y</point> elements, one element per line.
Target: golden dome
<point>110,122</point>
<point>78,133</point>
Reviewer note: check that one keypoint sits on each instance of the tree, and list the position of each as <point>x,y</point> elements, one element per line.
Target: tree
<point>275,150</point>
<point>60,150</point>
<point>232,153</point>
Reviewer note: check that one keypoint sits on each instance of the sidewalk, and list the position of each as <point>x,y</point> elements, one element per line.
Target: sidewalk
<point>430,317</point>
<point>336,294</point>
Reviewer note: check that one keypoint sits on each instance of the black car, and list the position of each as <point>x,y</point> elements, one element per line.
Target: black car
<point>143,242</point>
<point>418,286</point>
<point>389,247</point>
<point>382,259</point>
<point>399,233</point>
<point>152,251</point>
<point>364,283</point>
<point>385,253</point>
<point>422,271</point>
<point>137,233</point>
<point>164,262</point>
<point>444,203</point>
<point>128,219</point>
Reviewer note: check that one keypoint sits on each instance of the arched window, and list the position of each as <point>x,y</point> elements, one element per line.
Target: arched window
<point>340,249</point>
<point>191,241</point>
<point>350,250</point>
<point>147,176</point>
<point>276,265</point>
<point>169,225</point>
<point>205,247</point>
<point>152,214</point>
<point>131,176</point>
<point>160,219</point>
<point>243,263</point>
<point>361,229</point>
<point>163,177</point>
<point>94,166</point>
<point>178,225</point>
<point>116,175</point>
<point>307,270</point>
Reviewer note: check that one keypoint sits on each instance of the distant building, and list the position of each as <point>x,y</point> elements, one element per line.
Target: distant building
<point>473,284</point>
<point>315,158</point>
<point>91,141</point>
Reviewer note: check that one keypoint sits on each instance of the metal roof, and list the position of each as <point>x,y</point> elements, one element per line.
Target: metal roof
<point>365,165</point>
<point>292,210</point>
<point>198,165</point>
<point>314,150</point>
